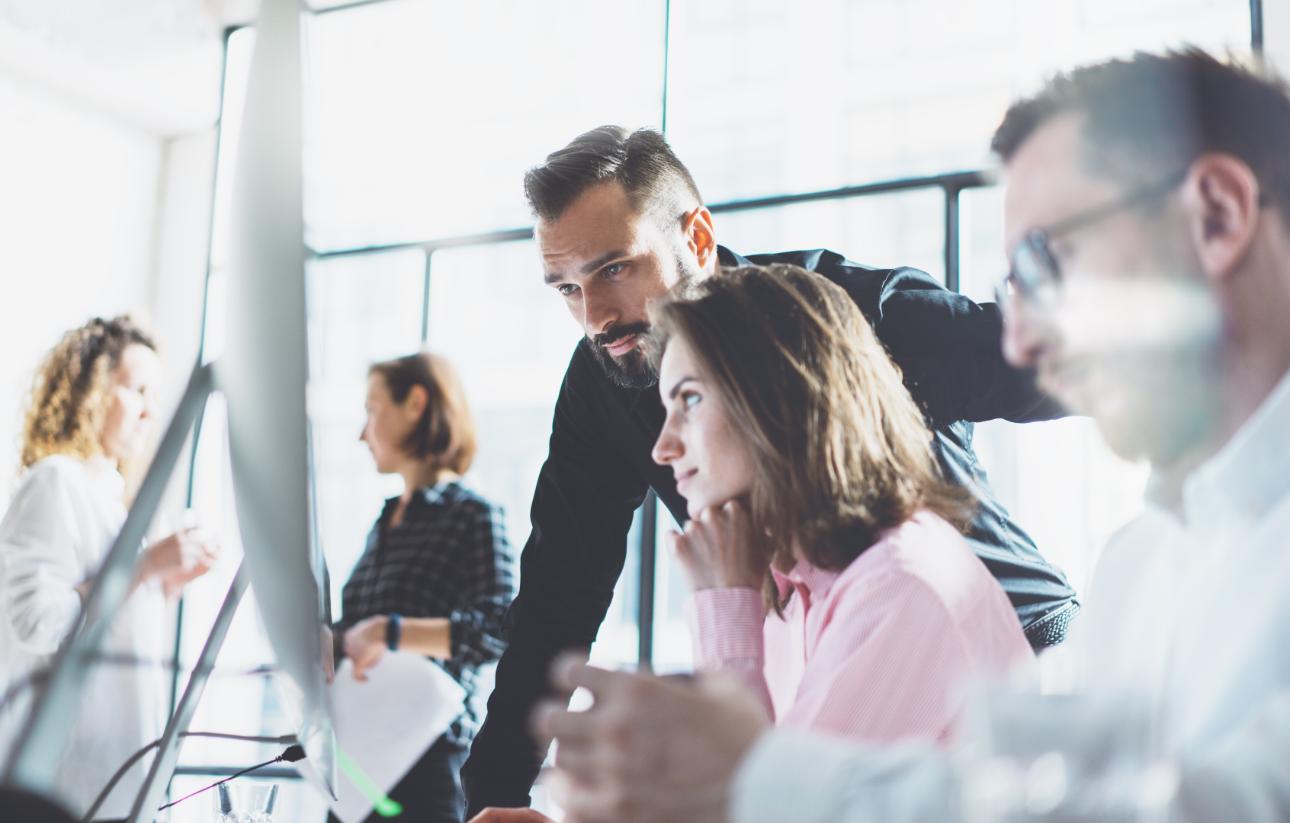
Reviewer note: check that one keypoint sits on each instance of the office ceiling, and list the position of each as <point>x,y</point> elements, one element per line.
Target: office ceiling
<point>153,64</point>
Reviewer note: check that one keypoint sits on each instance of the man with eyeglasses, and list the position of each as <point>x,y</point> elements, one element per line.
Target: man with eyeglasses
<point>1148,219</point>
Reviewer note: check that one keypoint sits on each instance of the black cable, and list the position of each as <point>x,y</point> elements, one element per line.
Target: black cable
<point>37,676</point>
<point>291,754</point>
<point>134,758</point>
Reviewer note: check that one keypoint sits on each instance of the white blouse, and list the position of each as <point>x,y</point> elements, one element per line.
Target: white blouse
<point>57,530</point>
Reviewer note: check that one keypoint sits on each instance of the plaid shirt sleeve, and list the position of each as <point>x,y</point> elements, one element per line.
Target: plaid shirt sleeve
<point>478,625</point>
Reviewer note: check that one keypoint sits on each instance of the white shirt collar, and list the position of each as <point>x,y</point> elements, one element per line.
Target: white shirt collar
<point>105,473</point>
<point>1249,474</point>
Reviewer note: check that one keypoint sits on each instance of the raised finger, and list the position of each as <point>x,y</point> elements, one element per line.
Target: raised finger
<point>571,671</point>
<point>582,763</point>
<point>552,721</point>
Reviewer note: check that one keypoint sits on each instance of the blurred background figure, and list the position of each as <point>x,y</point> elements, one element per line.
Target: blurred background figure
<point>437,575</point>
<point>89,417</point>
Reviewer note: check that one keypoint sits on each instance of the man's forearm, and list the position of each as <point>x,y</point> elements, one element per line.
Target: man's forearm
<point>505,760</point>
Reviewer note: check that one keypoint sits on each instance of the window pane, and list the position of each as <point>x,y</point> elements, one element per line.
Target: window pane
<point>237,68</point>
<point>423,117</point>
<point>884,230</point>
<point>982,261</point>
<point>362,308</point>
<point>673,646</point>
<point>769,97</point>
<point>510,338</point>
<point>233,701</point>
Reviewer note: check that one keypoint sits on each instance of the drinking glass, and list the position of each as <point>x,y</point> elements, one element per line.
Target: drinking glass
<point>245,802</point>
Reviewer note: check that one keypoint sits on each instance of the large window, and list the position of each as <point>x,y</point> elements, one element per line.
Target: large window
<point>421,118</point>
<point>768,97</point>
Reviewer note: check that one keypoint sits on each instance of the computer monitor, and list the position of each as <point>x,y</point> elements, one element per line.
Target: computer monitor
<point>262,373</point>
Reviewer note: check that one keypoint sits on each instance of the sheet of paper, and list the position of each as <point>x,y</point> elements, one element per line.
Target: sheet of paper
<point>385,724</point>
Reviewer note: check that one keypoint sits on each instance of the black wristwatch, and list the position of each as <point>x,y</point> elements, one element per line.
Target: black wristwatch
<point>393,631</point>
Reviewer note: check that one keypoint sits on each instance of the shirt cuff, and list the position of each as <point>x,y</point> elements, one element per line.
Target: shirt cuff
<point>729,625</point>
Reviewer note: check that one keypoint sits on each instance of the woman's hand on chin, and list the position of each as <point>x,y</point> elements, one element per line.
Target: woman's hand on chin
<point>720,550</point>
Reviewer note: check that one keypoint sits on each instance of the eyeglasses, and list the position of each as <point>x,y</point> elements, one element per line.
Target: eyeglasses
<point>1035,276</point>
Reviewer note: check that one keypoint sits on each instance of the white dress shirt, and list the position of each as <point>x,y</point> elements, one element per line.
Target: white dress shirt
<point>1189,609</point>
<point>55,534</point>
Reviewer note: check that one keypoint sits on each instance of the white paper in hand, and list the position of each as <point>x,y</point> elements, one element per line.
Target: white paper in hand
<point>387,723</point>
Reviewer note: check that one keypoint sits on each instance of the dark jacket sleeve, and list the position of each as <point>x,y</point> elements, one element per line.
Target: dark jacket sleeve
<point>582,509</point>
<point>950,351</point>
<point>949,348</point>
<point>477,634</point>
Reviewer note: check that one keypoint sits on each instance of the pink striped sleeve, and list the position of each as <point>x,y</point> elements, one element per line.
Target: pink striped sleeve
<point>728,635</point>
<point>888,665</point>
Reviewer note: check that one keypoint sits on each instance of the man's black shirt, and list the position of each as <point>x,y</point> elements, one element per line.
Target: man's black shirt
<point>598,470</point>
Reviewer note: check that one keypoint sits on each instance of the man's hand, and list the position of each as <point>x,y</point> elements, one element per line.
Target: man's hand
<point>365,644</point>
<point>719,549</point>
<point>492,815</point>
<point>650,748</point>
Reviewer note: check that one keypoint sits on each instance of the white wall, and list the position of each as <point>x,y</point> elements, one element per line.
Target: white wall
<point>78,204</point>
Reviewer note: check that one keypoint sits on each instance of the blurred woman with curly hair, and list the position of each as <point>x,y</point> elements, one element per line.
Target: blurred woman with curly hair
<point>91,407</point>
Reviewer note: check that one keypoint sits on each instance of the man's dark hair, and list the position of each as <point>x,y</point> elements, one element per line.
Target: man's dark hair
<point>1153,114</point>
<point>641,160</point>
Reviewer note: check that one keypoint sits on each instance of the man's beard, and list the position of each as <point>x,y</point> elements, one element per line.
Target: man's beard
<point>633,370</point>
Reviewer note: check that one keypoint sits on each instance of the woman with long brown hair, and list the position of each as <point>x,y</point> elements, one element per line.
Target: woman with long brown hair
<point>823,546</point>
<point>437,575</point>
<point>89,414</point>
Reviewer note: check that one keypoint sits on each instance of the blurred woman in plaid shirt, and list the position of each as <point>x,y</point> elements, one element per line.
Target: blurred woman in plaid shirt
<point>437,575</point>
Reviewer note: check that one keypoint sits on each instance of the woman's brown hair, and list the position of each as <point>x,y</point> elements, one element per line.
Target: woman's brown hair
<point>69,396</point>
<point>839,448</point>
<point>445,434</point>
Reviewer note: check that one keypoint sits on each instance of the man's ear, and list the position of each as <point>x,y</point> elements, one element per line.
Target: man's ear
<point>1222,198</point>
<point>696,225</point>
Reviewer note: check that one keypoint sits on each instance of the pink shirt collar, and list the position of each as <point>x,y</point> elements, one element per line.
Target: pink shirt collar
<point>806,579</point>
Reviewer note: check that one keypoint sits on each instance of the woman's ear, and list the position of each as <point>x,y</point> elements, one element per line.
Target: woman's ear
<point>415,403</point>
<point>1222,198</point>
